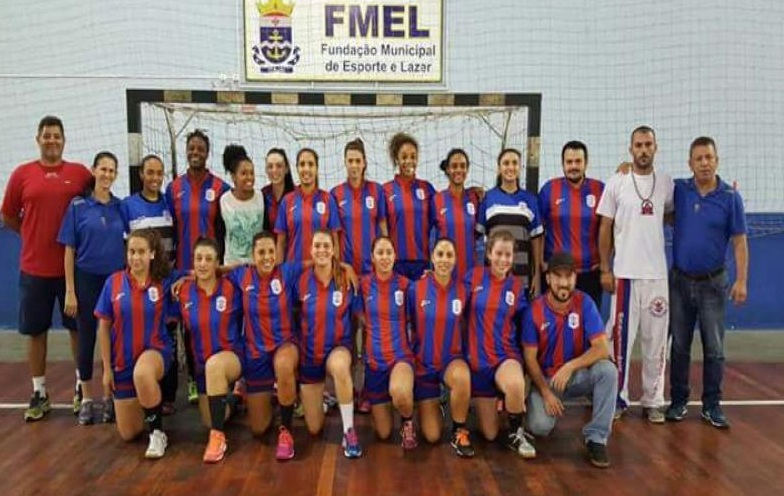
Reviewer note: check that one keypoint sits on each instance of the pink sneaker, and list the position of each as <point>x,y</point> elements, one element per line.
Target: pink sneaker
<point>285,449</point>
<point>216,447</point>
<point>363,403</point>
<point>408,435</point>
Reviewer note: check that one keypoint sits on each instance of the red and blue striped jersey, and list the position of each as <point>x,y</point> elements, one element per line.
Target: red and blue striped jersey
<point>138,315</point>
<point>570,220</point>
<point>195,208</point>
<point>408,217</point>
<point>325,319</point>
<point>300,215</point>
<point>454,217</point>
<point>495,313</point>
<point>271,207</point>
<point>214,321</point>
<point>383,304</point>
<point>267,303</point>
<point>560,337</point>
<point>360,211</point>
<point>437,322</point>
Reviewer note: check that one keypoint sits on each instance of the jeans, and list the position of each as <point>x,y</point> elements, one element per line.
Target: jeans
<point>600,381</point>
<point>691,301</point>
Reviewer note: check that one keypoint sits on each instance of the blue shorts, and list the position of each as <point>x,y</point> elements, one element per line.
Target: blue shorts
<point>428,386</point>
<point>259,374</point>
<point>123,379</point>
<point>483,382</point>
<point>37,296</point>
<point>377,384</point>
<point>312,371</point>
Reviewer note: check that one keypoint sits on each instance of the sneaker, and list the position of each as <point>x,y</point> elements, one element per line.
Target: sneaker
<point>86,412</point>
<point>619,411</point>
<point>461,442</point>
<point>77,399</point>
<point>520,441</point>
<point>351,447</point>
<point>299,410</point>
<point>363,403</point>
<point>157,447</point>
<point>39,406</point>
<point>715,417</point>
<point>285,449</point>
<point>597,454</point>
<point>408,436</point>
<point>676,412</point>
<point>108,411</point>
<point>193,392</point>
<point>216,447</point>
<point>329,401</point>
<point>654,415</point>
<point>168,408</point>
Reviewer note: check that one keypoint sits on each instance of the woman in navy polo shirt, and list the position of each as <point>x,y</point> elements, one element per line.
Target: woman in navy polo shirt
<point>92,233</point>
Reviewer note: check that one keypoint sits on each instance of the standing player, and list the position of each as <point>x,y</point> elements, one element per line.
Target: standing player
<point>36,197</point>
<point>436,306</point>
<point>568,207</point>
<point>304,211</point>
<point>148,209</point>
<point>281,183</point>
<point>136,349</point>
<point>362,210</point>
<point>408,208</point>
<point>567,357</point>
<point>328,301</point>
<point>497,301</point>
<point>194,201</point>
<point>389,372</point>
<point>454,209</point>
<point>510,208</point>
<point>708,215</point>
<point>92,233</point>
<point>211,311</point>
<point>242,208</point>
<point>632,209</point>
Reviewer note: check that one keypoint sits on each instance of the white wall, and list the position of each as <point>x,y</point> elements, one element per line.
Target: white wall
<point>686,68</point>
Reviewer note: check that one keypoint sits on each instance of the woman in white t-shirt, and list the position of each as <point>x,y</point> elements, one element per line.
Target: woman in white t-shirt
<point>242,208</point>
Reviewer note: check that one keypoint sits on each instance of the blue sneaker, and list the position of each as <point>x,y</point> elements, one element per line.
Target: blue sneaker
<point>676,412</point>
<point>715,417</point>
<point>351,447</point>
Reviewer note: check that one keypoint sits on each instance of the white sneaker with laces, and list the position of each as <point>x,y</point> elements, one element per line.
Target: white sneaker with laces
<point>519,441</point>
<point>157,447</point>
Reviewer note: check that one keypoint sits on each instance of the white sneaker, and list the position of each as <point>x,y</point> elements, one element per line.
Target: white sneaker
<point>157,446</point>
<point>519,442</point>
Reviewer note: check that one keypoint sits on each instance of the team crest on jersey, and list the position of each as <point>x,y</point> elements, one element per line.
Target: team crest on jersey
<point>275,286</point>
<point>574,320</point>
<point>321,208</point>
<point>590,200</point>
<point>337,298</point>
<point>399,298</point>
<point>457,306</point>
<point>420,193</point>
<point>209,195</point>
<point>470,208</point>
<point>370,203</point>
<point>510,298</point>
<point>153,294</point>
<point>220,303</point>
<point>658,306</point>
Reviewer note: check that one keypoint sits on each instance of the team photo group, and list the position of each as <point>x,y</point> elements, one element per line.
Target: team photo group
<point>432,306</point>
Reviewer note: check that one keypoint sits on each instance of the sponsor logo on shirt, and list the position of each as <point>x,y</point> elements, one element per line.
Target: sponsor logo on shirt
<point>558,201</point>
<point>220,303</point>
<point>187,305</point>
<point>119,296</point>
<point>442,211</point>
<point>293,207</point>
<point>249,288</point>
<point>478,289</point>
<point>341,203</point>
<point>424,303</point>
<point>305,297</point>
<point>574,320</point>
<point>391,197</point>
<point>544,326</point>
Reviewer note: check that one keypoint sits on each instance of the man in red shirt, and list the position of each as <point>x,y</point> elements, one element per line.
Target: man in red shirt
<point>36,197</point>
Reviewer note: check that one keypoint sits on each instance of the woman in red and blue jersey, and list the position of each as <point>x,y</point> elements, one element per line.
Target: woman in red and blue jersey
<point>136,349</point>
<point>408,208</point>
<point>389,361</point>
<point>327,302</point>
<point>436,307</point>
<point>211,309</point>
<point>304,211</point>
<point>497,302</point>
<point>454,210</point>
<point>271,345</point>
<point>362,210</point>
<point>281,183</point>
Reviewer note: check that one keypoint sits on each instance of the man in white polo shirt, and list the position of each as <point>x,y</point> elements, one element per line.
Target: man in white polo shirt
<point>632,208</point>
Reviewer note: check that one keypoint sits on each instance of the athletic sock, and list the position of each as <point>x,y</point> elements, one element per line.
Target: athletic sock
<point>347,415</point>
<point>153,418</point>
<point>515,421</point>
<point>286,414</point>
<point>217,410</point>
<point>39,384</point>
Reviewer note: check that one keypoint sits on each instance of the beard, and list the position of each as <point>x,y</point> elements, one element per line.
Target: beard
<point>562,295</point>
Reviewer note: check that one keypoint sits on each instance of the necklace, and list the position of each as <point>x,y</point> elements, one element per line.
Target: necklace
<point>646,205</point>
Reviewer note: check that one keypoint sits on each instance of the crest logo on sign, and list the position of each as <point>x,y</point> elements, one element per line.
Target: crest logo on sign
<point>275,52</point>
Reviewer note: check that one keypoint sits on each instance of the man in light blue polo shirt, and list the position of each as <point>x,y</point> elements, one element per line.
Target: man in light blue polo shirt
<point>708,215</point>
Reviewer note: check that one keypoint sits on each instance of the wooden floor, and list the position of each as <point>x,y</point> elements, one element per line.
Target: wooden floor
<point>58,457</point>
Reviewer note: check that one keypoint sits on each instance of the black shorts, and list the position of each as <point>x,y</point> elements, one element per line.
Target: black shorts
<point>37,296</point>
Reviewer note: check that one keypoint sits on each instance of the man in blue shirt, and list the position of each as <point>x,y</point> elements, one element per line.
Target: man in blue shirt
<point>708,215</point>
